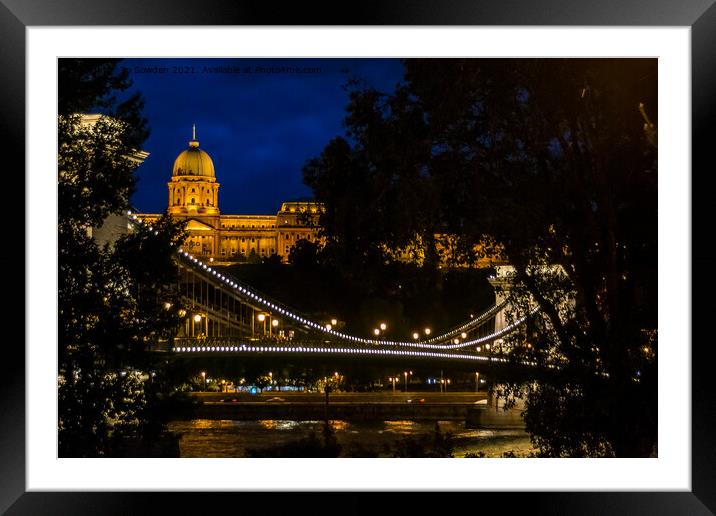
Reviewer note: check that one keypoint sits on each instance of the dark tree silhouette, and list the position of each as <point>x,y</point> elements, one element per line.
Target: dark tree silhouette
<point>115,299</point>
<point>551,163</point>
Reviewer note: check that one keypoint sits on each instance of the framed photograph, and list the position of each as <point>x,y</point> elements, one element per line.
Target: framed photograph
<point>307,171</point>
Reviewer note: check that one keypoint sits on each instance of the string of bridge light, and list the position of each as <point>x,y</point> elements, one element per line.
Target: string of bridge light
<point>472,322</point>
<point>360,340</point>
<point>349,351</point>
<point>311,324</point>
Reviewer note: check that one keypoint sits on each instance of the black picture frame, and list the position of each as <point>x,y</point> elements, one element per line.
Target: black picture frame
<point>700,15</point>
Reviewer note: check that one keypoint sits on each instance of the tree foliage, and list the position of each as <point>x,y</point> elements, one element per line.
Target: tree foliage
<point>551,162</point>
<point>115,299</point>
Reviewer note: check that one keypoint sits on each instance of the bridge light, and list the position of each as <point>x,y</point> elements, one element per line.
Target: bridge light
<point>376,332</point>
<point>416,335</point>
<point>456,341</point>
<point>427,331</point>
<point>383,326</point>
<point>463,335</point>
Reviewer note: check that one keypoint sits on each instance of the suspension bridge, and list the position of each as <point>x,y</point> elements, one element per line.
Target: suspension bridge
<point>226,317</point>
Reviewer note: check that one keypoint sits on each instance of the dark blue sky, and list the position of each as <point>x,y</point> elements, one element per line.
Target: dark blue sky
<point>259,127</point>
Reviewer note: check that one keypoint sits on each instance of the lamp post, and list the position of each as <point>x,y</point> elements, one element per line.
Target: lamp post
<point>477,379</point>
<point>406,373</point>
<point>203,376</point>
<point>393,379</point>
<point>262,319</point>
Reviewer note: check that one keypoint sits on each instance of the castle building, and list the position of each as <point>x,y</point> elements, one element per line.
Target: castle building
<point>194,197</point>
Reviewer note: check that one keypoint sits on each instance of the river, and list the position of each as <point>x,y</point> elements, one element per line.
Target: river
<point>229,438</point>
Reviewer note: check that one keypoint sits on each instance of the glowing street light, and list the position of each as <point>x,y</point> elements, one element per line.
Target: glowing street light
<point>427,331</point>
<point>334,322</point>
<point>274,323</point>
<point>197,318</point>
<point>261,317</point>
<point>383,326</point>
<point>463,335</point>
<point>376,332</point>
<point>416,335</point>
<point>329,327</point>
<point>393,379</point>
<point>406,373</point>
<point>456,341</point>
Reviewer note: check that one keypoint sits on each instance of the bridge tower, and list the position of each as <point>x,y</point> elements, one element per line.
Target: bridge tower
<point>502,282</point>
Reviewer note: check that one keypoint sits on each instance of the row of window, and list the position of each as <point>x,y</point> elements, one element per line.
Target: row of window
<point>262,252</point>
<point>192,202</point>
<point>253,226</point>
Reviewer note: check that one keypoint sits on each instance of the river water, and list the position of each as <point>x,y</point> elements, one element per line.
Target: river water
<point>229,438</point>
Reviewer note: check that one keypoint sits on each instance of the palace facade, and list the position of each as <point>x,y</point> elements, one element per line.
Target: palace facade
<point>194,197</point>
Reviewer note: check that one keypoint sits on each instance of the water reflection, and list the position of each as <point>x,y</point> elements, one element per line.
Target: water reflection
<point>228,438</point>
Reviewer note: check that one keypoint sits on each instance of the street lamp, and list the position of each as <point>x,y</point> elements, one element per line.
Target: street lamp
<point>416,335</point>
<point>427,331</point>
<point>383,326</point>
<point>334,322</point>
<point>463,335</point>
<point>376,332</point>
<point>393,379</point>
<point>406,373</point>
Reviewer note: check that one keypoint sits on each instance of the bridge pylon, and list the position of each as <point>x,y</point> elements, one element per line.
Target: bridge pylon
<point>502,283</point>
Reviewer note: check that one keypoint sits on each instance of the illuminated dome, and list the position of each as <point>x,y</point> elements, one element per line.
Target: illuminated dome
<point>193,162</point>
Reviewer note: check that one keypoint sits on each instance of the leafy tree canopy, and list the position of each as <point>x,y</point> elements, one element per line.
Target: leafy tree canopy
<point>551,162</point>
<point>115,299</point>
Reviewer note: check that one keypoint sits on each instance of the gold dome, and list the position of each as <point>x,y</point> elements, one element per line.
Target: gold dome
<point>193,162</point>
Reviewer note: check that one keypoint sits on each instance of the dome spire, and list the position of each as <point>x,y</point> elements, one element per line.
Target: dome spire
<point>193,142</point>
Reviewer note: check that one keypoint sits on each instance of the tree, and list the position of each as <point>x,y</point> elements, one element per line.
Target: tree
<point>112,300</point>
<point>304,254</point>
<point>549,162</point>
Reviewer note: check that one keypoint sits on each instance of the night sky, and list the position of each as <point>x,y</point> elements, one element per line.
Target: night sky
<point>258,127</point>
